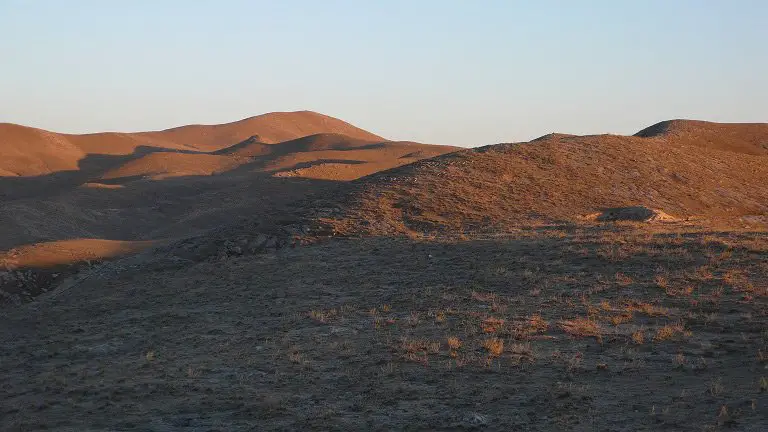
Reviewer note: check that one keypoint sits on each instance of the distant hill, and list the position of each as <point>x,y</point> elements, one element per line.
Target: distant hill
<point>749,138</point>
<point>158,185</point>
<point>26,151</point>
<point>271,128</point>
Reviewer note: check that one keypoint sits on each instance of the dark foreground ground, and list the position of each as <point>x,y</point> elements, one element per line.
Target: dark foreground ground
<point>613,328</point>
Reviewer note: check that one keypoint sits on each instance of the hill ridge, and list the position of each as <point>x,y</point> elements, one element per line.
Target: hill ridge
<point>24,150</point>
<point>748,138</point>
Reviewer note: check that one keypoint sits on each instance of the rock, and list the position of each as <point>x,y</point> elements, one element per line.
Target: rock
<point>476,419</point>
<point>632,214</point>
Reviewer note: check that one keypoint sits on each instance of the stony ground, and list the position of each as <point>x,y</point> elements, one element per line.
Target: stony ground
<point>598,328</point>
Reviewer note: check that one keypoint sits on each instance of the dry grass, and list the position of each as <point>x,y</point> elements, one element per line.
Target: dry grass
<point>484,309</point>
<point>323,316</point>
<point>647,309</point>
<point>582,327</point>
<point>494,346</point>
<point>492,325</point>
<point>471,189</point>
<point>439,337</point>
<point>638,337</point>
<point>537,323</point>
<point>670,331</point>
<point>454,343</point>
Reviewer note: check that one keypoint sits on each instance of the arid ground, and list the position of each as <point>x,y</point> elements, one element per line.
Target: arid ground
<point>293,272</point>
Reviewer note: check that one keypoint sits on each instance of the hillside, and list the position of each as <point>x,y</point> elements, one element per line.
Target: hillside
<point>157,185</point>
<point>28,151</point>
<point>271,128</point>
<point>557,178</point>
<point>325,156</point>
<point>749,138</point>
<point>484,289</point>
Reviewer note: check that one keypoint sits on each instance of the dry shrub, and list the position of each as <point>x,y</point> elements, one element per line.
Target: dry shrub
<point>621,318</point>
<point>670,331</point>
<point>439,316</point>
<point>494,346</point>
<point>454,343</point>
<point>420,346</point>
<point>647,309</point>
<point>538,324</point>
<point>323,316</point>
<point>582,327</point>
<point>492,325</point>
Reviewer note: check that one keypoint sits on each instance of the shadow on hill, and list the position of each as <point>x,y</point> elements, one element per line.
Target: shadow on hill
<point>304,165</point>
<point>56,207</point>
<point>89,168</point>
<point>38,212</point>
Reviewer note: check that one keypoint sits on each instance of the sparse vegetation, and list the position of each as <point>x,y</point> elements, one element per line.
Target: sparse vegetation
<point>494,346</point>
<point>492,281</point>
<point>582,327</point>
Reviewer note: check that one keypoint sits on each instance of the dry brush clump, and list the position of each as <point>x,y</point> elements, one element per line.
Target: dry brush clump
<point>494,346</point>
<point>582,327</point>
<point>671,331</point>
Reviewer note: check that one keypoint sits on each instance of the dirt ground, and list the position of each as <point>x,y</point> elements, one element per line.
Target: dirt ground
<point>605,327</point>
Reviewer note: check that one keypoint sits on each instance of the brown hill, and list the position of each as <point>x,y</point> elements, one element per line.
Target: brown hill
<point>162,165</point>
<point>27,151</point>
<point>553,179</point>
<point>150,186</point>
<point>339,157</point>
<point>749,138</point>
<point>250,147</point>
<point>327,156</point>
<point>271,128</point>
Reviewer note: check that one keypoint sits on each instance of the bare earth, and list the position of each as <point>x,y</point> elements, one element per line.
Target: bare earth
<point>570,283</point>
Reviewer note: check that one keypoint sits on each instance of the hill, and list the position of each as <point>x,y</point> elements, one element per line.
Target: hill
<point>495,288</point>
<point>271,128</point>
<point>157,185</point>
<point>28,151</point>
<point>554,179</point>
<point>319,156</point>
<point>749,138</point>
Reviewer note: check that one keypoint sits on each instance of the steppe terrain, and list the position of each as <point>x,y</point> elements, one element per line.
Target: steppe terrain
<point>293,272</point>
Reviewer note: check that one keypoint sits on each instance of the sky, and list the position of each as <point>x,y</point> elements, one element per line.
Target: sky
<point>436,71</point>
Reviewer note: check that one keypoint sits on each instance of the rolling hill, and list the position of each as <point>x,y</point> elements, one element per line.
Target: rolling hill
<point>324,156</point>
<point>174,183</point>
<point>506,277</point>
<point>28,151</point>
<point>564,178</point>
<point>749,138</point>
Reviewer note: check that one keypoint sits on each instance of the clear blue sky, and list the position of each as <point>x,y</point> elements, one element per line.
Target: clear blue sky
<point>438,71</point>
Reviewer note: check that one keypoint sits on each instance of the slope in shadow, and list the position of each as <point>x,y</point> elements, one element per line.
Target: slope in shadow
<point>47,239</point>
<point>92,166</point>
